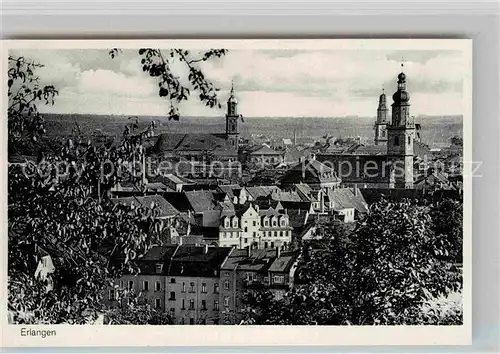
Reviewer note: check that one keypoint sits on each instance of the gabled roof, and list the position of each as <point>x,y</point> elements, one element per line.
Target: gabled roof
<point>310,171</point>
<point>259,260</point>
<point>165,208</point>
<point>192,142</point>
<point>201,200</point>
<point>264,150</point>
<point>178,179</point>
<point>283,263</point>
<point>286,196</point>
<point>298,217</point>
<point>191,261</point>
<point>231,190</point>
<point>346,198</point>
<point>261,191</point>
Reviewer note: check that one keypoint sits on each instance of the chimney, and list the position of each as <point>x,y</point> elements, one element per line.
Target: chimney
<point>278,251</point>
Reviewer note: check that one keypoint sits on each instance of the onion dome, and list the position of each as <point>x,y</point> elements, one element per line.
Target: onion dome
<point>401,96</point>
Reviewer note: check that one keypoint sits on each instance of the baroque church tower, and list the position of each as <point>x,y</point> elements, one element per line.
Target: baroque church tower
<point>400,138</point>
<point>232,131</point>
<point>381,122</point>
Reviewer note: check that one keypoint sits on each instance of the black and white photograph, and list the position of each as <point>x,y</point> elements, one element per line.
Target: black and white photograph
<point>214,184</point>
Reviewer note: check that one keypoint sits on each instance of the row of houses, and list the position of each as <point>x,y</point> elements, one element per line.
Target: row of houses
<point>203,285</point>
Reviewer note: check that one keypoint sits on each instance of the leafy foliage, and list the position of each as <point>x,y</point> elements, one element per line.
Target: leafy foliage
<point>23,93</point>
<point>380,273</point>
<point>59,206</point>
<point>159,64</point>
<point>137,314</point>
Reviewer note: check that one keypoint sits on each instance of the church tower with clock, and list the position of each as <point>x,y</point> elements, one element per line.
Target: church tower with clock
<point>232,131</point>
<point>400,138</point>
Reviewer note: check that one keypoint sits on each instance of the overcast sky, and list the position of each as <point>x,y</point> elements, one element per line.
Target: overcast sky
<point>267,82</point>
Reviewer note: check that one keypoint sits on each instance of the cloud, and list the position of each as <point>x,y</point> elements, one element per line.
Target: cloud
<point>267,83</point>
<point>109,82</point>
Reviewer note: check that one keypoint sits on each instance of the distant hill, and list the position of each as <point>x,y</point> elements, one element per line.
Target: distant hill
<point>435,129</point>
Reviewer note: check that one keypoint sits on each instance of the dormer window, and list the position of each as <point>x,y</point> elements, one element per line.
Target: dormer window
<point>159,268</point>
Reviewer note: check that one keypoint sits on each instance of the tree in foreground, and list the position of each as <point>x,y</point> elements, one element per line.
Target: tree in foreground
<point>383,272</point>
<point>58,205</point>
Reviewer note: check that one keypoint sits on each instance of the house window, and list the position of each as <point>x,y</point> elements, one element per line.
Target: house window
<point>226,301</point>
<point>250,276</point>
<point>409,140</point>
<point>226,274</point>
<point>130,284</point>
<point>172,280</point>
<point>245,240</point>
<point>203,304</point>
<point>145,285</point>
<point>158,303</point>
<point>281,233</point>
<point>203,287</point>
<point>159,268</point>
<point>278,279</point>
<point>158,286</point>
<point>254,234</point>
<point>183,287</point>
<point>182,320</point>
<point>111,295</point>
<point>254,223</point>
<point>172,295</point>
<point>266,244</point>
<point>191,321</point>
<point>191,304</point>
<point>191,288</point>
<point>396,140</point>
<point>246,228</point>
<point>216,321</point>
<point>275,233</point>
<point>216,305</point>
<point>224,234</point>
<point>172,311</point>
<point>226,285</point>
<point>183,307</point>
<point>216,288</point>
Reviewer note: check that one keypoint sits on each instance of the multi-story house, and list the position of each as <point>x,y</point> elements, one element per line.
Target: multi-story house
<point>255,227</point>
<point>276,230</point>
<point>192,295</point>
<point>248,270</point>
<point>230,231</point>
<point>180,280</point>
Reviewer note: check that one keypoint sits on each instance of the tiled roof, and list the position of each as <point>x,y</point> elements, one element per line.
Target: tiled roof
<point>230,189</point>
<point>264,150</point>
<point>310,171</point>
<point>201,200</point>
<point>297,217</point>
<point>166,209</point>
<point>193,142</point>
<point>178,179</point>
<point>345,198</point>
<point>261,191</point>
<point>191,261</point>
<point>287,197</point>
<point>284,262</point>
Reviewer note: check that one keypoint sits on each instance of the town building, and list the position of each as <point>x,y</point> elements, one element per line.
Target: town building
<point>183,281</point>
<point>248,270</point>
